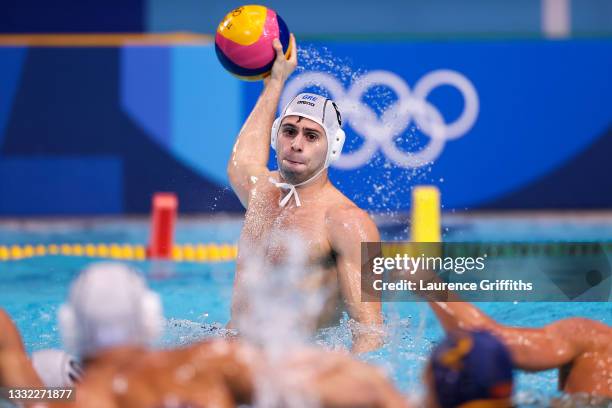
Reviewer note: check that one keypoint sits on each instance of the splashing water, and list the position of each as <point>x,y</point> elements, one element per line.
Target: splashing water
<point>388,187</point>
<point>184,332</point>
<point>283,306</point>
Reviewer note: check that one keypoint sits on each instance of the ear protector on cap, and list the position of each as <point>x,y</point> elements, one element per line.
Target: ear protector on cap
<point>56,368</point>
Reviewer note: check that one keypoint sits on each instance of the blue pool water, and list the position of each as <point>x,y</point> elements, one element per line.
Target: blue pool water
<point>196,296</point>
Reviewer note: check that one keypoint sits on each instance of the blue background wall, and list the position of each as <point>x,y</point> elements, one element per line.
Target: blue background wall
<point>98,130</point>
<point>72,16</point>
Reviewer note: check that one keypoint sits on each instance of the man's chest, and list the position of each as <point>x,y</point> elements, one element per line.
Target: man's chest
<point>276,230</point>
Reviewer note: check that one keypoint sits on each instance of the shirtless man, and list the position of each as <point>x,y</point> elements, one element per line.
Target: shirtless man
<point>128,374</point>
<point>580,348</point>
<point>109,320</point>
<point>111,316</point>
<point>300,199</point>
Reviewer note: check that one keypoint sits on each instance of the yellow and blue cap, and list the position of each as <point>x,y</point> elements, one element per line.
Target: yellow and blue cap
<point>472,370</point>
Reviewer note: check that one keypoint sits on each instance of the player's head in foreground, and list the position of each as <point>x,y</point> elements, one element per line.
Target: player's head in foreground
<point>470,369</point>
<point>109,305</point>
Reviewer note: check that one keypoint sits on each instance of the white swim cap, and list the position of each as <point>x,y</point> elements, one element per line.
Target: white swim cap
<point>322,111</point>
<point>56,368</point>
<point>109,305</point>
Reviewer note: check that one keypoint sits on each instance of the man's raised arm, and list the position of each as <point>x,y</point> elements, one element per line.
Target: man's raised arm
<point>251,151</point>
<point>16,369</point>
<point>532,349</point>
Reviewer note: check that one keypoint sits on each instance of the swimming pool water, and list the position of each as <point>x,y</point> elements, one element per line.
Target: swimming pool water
<point>196,296</point>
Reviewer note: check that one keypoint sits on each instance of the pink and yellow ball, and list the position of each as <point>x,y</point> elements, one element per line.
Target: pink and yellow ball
<point>244,41</point>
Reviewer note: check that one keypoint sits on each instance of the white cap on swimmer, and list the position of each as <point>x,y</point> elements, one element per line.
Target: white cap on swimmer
<point>323,111</point>
<point>56,368</point>
<point>109,305</point>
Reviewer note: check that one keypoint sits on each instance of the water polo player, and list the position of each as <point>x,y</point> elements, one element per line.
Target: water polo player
<point>108,321</point>
<point>580,348</point>
<point>299,197</point>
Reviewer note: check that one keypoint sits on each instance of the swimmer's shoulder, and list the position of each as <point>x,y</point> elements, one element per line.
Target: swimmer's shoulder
<point>340,207</point>
<point>344,217</point>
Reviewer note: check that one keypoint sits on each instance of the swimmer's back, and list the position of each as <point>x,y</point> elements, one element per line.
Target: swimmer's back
<point>205,374</point>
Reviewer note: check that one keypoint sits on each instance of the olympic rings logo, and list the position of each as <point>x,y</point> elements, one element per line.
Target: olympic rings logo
<point>410,106</point>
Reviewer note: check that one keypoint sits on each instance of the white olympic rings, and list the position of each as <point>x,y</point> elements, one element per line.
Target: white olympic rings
<point>410,106</point>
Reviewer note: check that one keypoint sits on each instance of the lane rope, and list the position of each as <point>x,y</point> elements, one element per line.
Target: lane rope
<point>202,252</point>
<point>213,252</point>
